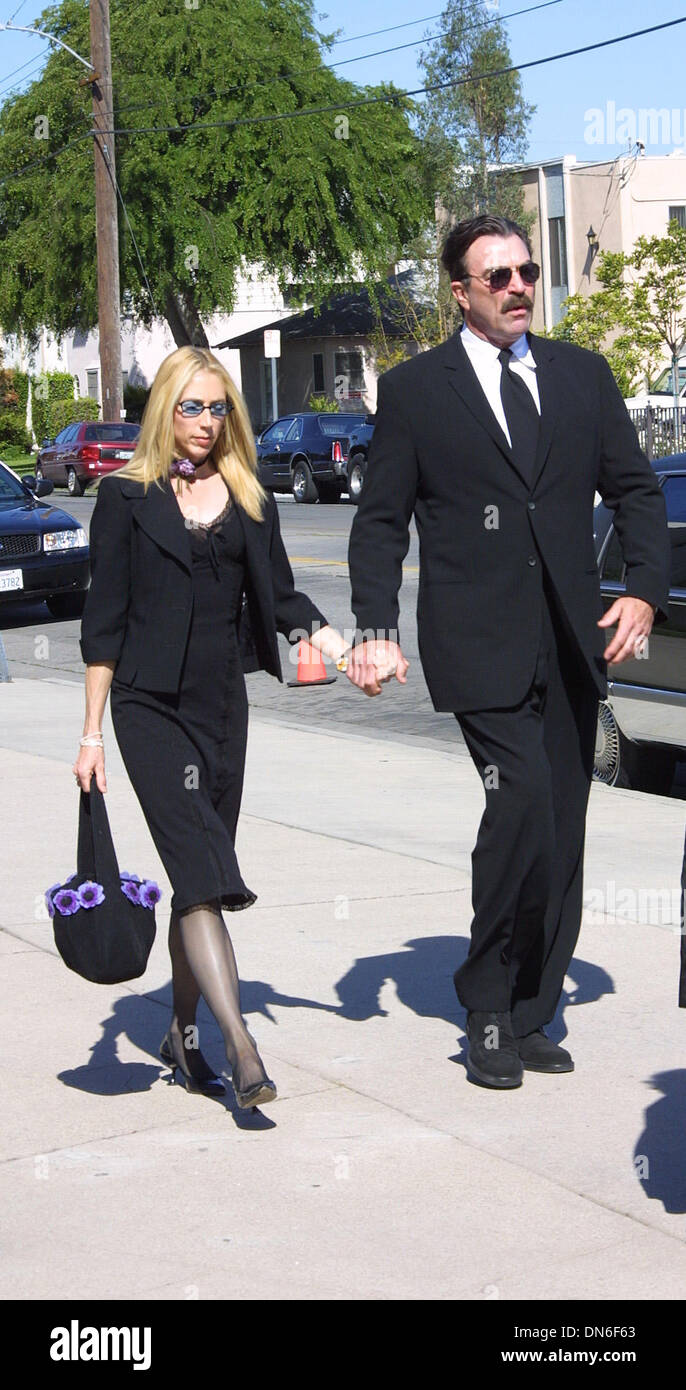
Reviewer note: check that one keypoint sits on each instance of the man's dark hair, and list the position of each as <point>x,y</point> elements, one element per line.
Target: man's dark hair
<point>464,234</point>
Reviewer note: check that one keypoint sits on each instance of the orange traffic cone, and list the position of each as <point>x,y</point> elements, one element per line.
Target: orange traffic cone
<point>311,668</point>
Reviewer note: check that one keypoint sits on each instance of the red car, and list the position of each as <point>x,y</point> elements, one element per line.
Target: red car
<point>82,453</point>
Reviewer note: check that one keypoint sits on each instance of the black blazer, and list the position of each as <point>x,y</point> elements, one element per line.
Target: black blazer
<point>139,604</point>
<point>438,452</point>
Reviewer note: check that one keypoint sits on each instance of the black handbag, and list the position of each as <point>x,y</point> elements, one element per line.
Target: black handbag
<point>104,921</point>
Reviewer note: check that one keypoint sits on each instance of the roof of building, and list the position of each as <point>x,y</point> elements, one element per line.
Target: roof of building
<point>350,315</point>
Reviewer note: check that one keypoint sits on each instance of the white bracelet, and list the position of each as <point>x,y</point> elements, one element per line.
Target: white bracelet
<point>92,741</point>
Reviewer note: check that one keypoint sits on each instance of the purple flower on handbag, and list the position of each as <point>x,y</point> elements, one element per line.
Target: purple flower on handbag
<point>182,468</point>
<point>66,902</point>
<point>130,878</point>
<point>149,893</point>
<point>90,894</point>
<point>130,889</point>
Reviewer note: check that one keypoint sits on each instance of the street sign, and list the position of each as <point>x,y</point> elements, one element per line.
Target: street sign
<point>272,342</point>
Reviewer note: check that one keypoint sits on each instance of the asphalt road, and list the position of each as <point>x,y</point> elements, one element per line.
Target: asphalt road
<point>316,537</point>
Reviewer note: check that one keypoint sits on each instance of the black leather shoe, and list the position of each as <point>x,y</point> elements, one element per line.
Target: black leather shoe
<point>538,1053</point>
<point>493,1058</point>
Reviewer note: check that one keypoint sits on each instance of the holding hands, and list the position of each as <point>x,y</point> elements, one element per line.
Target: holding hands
<point>373,664</point>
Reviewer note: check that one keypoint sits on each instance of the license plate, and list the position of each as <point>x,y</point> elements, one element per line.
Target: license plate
<point>11,579</point>
<point>123,453</point>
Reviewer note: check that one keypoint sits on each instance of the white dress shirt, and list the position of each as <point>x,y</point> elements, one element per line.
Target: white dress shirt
<point>484,359</point>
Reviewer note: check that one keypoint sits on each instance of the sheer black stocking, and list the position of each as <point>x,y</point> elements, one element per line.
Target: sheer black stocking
<point>183,1032</point>
<point>212,963</point>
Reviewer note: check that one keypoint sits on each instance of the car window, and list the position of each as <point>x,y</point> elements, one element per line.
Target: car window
<point>333,426</point>
<point>11,489</point>
<point>613,564</point>
<point>64,435</point>
<point>277,432</point>
<point>296,431</point>
<point>674,490</point>
<point>112,434</point>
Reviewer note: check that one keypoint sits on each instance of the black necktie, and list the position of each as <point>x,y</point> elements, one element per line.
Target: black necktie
<point>523,419</point>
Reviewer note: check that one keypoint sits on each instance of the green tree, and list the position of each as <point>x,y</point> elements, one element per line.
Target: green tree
<point>473,129</point>
<point>314,199</point>
<point>640,310</point>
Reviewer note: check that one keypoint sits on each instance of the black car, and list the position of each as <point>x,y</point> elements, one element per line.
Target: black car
<point>642,724</point>
<point>306,454</point>
<point>358,453</point>
<point>43,550</point>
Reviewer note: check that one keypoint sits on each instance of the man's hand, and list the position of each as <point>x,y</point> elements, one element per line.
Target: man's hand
<point>634,619</point>
<point>373,663</point>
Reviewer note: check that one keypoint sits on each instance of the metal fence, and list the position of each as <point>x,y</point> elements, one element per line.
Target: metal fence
<point>661,429</point>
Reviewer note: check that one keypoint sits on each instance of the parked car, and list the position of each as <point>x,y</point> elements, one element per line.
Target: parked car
<point>43,550</point>
<point>306,454</point>
<point>358,453</point>
<point>83,452</point>
<point>642,724</point>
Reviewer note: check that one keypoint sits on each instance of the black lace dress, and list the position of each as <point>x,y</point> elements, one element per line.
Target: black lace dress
<point>189,779</point>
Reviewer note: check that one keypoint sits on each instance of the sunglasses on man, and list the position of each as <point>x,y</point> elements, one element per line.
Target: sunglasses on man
<point>500,277</point>
<point>219,409</point>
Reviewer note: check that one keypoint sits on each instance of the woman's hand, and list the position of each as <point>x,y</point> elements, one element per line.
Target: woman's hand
<point>89,761</point>
<point>372,664</point>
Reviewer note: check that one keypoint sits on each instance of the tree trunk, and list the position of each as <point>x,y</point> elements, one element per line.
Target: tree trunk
<point>184,320</point>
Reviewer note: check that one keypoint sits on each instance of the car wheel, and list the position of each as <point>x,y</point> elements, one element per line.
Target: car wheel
<point>620,763</point>
<point>74,484</point>
<point>329,492</point>
<point>355,481</point>
<point>67,605</point>
<point>304,486</point>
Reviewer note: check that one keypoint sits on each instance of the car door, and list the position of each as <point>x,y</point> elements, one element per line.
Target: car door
<point>49,456</point>
<point>661,716</point>
<point>269,452</point>
<point>290,444</point>
<point>65,451</point>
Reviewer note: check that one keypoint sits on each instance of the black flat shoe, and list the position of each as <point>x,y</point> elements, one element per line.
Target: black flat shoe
<point>207,1086</point>
<point>493,1059</point>
<point>538,1053</point>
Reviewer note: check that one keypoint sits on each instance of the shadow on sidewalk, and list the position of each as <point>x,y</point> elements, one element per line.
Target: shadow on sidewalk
<point>660,1153</point>
<point>105,1075</point>
<point>423,977</point>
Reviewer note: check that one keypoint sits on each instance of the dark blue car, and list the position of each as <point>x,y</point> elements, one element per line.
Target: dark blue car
<point>358,453</point>
<point>43,550</point>
<point>642,724</point>
<point>306,454</point>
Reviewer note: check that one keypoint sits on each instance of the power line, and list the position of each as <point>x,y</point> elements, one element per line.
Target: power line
<point>243,87</point>
<point>7,78</point>
<point>394,98</point>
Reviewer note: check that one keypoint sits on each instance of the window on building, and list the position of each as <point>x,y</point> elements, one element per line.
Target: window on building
<point>678,214</point>
<point>558,252</point>
<point>92,384</point>
<point>348,375</point>
<point>318,371</point>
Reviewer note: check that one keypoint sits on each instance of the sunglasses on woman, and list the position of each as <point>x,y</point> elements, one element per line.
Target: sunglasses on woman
<point>219,409</point>
<point>500,277</point>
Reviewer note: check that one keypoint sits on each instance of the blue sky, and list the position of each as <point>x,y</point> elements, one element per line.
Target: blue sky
<point>646,73</point>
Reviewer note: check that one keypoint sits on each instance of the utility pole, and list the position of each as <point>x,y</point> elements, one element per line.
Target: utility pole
<point>106,226</point>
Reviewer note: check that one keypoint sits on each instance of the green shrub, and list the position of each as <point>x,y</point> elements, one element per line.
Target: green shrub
<point>47,390</point>
<point>135,401</point>
<point>324,405</point>
<point>61,413</point>
<point>14,388</point>
<point>13,432</point>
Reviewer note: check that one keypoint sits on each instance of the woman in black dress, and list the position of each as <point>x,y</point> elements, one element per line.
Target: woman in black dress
<point>188,573</point>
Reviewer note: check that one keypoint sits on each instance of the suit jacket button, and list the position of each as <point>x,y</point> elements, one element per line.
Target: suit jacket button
<point>532,560</point>
<point>531,506</point>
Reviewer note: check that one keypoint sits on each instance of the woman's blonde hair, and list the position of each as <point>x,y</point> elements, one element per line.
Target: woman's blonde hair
<point>233,455</point>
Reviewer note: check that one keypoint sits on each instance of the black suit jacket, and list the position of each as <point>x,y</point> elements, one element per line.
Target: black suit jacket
<point>138,608</point>
<point>484,533</point>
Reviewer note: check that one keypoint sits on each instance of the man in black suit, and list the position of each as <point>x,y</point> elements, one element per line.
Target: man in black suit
<point>497,441</point>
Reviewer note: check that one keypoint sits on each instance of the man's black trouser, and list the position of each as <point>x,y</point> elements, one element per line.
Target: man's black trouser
<point>536,762</point>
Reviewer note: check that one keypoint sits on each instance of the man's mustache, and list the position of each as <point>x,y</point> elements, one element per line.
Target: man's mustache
<point>518,301</point>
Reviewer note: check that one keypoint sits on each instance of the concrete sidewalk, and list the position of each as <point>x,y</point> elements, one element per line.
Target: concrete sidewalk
<point>380,1172</point>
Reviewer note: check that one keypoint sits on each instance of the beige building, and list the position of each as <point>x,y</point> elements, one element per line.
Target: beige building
<point>582,209</point>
